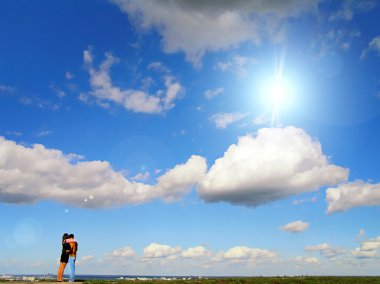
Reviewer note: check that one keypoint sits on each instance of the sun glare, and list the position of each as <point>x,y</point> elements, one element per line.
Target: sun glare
<point>277,92</point>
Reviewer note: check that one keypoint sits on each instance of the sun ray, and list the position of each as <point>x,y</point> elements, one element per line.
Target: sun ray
<point>277,90</point>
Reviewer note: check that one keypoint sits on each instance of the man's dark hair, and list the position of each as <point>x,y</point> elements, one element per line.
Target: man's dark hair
<point>71,236</point>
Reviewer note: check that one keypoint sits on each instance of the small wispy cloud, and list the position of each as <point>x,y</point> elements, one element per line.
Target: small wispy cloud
<point>222,120</point>
<point>141,176</point>
<point>158,66</point>
<point>40,103</point>
<point>43,133</point>
<point>373,45</point>
<point>261,119</point>
<point>350,8</point>
<point>237,65</point>
<point>25,100</point>
<point>7,89</point>
<point>209,94</point>
<point>57,90</point>
<point>301,201</point>
<point>14,133</point>
<point>69,75</point>
<point>361,233</point>
<point>325,249</point>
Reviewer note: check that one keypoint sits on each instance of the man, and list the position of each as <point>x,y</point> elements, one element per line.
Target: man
<point>72,256</point>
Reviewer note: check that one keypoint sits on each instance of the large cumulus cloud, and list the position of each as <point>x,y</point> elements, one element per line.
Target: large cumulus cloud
<point>31,174</point>
<point>195,27</point>
<point>277,163</point>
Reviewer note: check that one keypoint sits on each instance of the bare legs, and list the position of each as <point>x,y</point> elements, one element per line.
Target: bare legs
<point>61,269</point>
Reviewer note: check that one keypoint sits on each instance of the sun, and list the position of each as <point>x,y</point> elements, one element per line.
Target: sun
<point>277,92</point>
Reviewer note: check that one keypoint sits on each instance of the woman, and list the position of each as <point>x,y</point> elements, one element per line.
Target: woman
<point>64,257</point>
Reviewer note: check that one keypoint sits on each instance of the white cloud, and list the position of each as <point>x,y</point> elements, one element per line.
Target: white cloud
<point>15,133</point>
<point>344,14</point>
<point>222,120</point>
<point>69,75</point>
<point>6,89</point>
<point>32,174</point>
<point>125,252</point>
<point>374,45</point>
<point>302,260</point>
<point>361,233</point>
<point>350,7</point>
<point>158,66</point>
<point>325,249</point>
<point>332,40</point>
<point>104,91</point>
<point>209,94</point>
<point>246,253</point>
<point>196,27</point>
<point>178,181</point>
<point>196,252</point>
<point>295,227</point>
<point>358,253</point>
<point>368,249</point>
<point>141,176</point>
<point>162,255</point>
<point>85,260</point>
<point>261,119</point>
<point>373,244</point>
<point>155,250</point>
<point>352,194</point>
<point>43,133</point>
<point>277,163</point>
<point>57,90</point>
<point>26,100</point>
<point>40,103</point>
<point>301,201</point>
<point>237,65</point>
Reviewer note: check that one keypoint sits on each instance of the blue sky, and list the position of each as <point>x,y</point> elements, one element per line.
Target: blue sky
<point>190,137</point>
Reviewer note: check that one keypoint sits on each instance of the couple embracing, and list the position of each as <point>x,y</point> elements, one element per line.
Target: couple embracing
<point>69,253</point>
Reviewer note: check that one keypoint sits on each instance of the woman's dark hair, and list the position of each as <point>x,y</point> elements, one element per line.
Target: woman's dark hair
<point>71,236</point>
<point>65,236</point>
